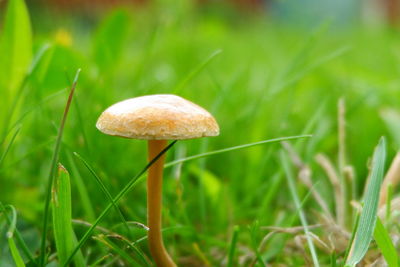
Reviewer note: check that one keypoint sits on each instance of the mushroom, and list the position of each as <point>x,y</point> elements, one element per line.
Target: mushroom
<point>157,118</point>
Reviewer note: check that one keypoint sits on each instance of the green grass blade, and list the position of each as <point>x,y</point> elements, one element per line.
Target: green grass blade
<point>3,156</point>
<point>98,261</point>
<point>369,211</point>
<point>352,237</point>
<point>299,75</point>
<point>19,262</point>
<point>385,244</point>
<point>110,38</point>
<point>62,217</point>
<point>42,260</point>
<point>124,255</point>
<point>292,187</point>
<point>121,194</point>
<point>15,47</point>
<point>104,189</point>
<point>21,242</point>
<point>23,116</point>
<point>196,71</point>
<point>137,250</point>
<point>87,205</point>
<point>232,248</point>
<point>229,149</point>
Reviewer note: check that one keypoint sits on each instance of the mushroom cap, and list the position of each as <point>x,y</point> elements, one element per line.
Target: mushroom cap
<point>157,117</point>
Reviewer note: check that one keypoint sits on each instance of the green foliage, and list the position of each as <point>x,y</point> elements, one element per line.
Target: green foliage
<point>232,247</point>
<point>368,216</point>
<point>15,48</point>
<point>64,235</point>
<point>385,244</point>
<point>109,40</point>
<point>103,188</point>
<point>19,262</point>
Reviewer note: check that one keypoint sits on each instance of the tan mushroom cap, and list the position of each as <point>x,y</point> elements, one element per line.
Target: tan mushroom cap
<point>157,117</point>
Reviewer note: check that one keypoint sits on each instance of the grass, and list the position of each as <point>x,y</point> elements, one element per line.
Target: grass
<point>329,93</point>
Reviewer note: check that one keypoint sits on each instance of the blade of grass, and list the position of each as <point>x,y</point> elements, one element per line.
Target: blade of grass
<point>299,75</point>
<point>254,230</point>
<point>385,244</point>
<point>389,202</point>
<point>352,237</point>
<point>138,251</point>
<point>121,194</point>
<point>30,110</point>
<point>369,211</point>
<point>97,262</point>
<point>123,254</point>
<point>3,156</point>
<point>83,193</point>
<point>15,46</point>
<point>292,187</point>
<point>21,242</point>
<point>20,91</point>
<point>104,189</point>
<point>232,248</point>
<point>62,217</point>
<point>19,262</point>
<point>42,259</point>
<point>229,149</point>
<point>196,71</point>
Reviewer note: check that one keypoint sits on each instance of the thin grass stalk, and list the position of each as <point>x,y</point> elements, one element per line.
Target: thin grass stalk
<point>196,71</point>
<point>292,187</point>
<point>3,156</point>
<point>333,177</point>
<point>342,211</point>
<point>215,152</point>
<point>87,205</point>
<point>20,240</point>
<point>232,248</point>
<point>105,190</point>
<point>53,166</point>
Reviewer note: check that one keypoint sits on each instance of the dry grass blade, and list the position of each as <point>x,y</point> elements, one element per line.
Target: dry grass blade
<point>333,177</point>
<point>392,178</point>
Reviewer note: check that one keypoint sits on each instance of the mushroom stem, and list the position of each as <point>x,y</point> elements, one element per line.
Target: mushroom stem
<point>154,203</point>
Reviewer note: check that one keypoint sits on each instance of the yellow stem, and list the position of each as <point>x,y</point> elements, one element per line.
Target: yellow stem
<point>154,203</point>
